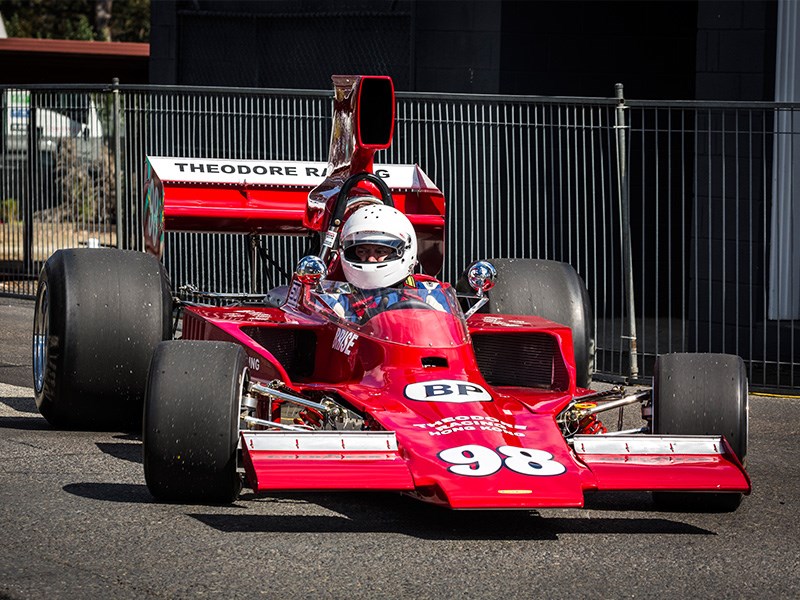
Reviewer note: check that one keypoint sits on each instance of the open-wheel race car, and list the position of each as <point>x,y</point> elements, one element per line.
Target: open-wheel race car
<point>470,396</point>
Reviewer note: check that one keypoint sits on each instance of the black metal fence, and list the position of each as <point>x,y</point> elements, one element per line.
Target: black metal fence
<point>701,193</point>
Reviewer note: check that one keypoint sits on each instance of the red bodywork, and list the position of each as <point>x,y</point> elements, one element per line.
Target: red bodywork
<point>373,379</point>
<point>448,421</point>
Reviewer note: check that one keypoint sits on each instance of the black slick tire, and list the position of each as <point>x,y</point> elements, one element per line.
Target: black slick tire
<point>549,289</point>
<point>701,394</point>
<point>99,315</point>
<point>191,422</point>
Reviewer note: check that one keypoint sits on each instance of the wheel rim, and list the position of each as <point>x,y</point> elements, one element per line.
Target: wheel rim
<point>244,379</point>
<point>41,334</point>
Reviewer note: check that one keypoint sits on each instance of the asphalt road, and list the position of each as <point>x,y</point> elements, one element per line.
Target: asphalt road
<point>76,521</point>
<point>16,324</point>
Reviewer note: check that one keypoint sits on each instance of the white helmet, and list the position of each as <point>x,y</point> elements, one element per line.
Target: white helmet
<point>380,225</point>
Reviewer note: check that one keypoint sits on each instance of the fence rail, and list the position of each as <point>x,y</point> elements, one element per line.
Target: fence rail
<point>702,193</point>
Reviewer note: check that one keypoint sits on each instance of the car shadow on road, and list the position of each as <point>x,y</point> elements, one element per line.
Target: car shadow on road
<point>23,404</point>
<point>32,423</point>
<point>479,525</point>
<point>392,513</point>
<point>28,418</point>
<point>130,452</point>
<point>388,513</point>
<point>132,493</point>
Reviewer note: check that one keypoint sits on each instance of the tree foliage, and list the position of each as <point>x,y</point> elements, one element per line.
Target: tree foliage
<point>78,19</point>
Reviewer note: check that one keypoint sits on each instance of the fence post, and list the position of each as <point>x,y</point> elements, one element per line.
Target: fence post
<point>253,239</point>
<point>627,252</point>
<point>32,171</point>
<point>118,162</point>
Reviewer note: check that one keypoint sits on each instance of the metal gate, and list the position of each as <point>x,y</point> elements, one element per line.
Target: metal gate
<point>692,188</point>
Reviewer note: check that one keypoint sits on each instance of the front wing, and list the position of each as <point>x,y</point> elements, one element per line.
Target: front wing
<point>330,460</point>
<point>324,460</point>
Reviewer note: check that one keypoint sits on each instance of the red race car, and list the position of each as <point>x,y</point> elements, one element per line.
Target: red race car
<point>468,397</point>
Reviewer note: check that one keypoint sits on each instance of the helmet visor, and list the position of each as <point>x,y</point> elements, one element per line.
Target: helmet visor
<point>373,249</point>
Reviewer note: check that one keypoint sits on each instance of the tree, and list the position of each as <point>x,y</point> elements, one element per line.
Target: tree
<point>131,21</point>
<point>102,19</point>
<point>78,19</point>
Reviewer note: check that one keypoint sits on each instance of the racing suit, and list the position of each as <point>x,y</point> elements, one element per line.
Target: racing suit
<point>360,307</point>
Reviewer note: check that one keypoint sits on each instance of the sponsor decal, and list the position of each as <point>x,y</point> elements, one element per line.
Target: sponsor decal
<point>283,170</point>
<point>256,172</point>
<point>446,390</point>
<point>330,239</point>
<point>293,297</point>
<point>343,341</point>
<point>254,363</point>
<point>503,322</point>
<point>473,460</point>
<point>244,315</point>
<point>450,425</point>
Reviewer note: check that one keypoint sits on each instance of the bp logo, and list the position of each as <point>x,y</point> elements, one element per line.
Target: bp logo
<point>447,390</point>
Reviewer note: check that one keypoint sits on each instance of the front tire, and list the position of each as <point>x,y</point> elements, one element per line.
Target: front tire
<point>99,315</point>
<point>191,421</point>
<point>701,394</point>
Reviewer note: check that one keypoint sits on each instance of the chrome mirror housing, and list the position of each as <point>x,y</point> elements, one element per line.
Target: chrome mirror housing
<point>481,276</point>
<point>310,270</point>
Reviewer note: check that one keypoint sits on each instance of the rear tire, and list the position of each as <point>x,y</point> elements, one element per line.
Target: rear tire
<point>191,422</point>
<point>701,394</point>
<point>99,315</point>
<point>549,289</point>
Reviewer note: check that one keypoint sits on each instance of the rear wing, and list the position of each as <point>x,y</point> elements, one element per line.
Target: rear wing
<point>295,198</point>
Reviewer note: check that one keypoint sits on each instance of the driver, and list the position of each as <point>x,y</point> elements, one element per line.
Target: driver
<point>378,251</point>
<point>378,247</point>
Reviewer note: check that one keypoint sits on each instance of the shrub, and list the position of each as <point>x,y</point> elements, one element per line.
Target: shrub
<point>9,211</point>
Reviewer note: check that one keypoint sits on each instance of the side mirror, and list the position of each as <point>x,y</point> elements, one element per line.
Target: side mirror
<point>310,270</point>
<point>481,276</point>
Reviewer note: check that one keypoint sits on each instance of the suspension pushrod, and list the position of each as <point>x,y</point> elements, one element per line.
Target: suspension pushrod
<point>257,421</point>
<point>632,399</point>
<point>264,390</point>
<point>628,431</point>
